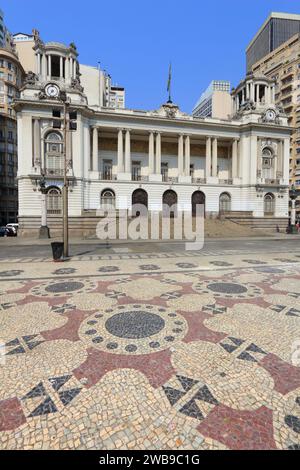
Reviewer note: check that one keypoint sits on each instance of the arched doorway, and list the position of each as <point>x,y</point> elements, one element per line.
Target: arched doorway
<point>53,201</point>
<point>169,200</point>
<point>140,196</point>
<point>198,197</point>
<point>225,203</point>
<point>108,200</point>
<point>269,204</point>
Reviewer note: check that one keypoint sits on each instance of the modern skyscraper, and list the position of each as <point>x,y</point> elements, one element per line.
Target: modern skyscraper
<point>277,29</point>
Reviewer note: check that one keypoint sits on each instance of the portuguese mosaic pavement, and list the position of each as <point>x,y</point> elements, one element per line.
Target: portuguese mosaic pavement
<point>160,353</point>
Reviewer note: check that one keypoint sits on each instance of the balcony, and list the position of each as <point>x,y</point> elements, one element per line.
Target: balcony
<point>226,181</point>
<point>198,180</point>
<point>107,176</point>
<point>54,172</point>
<point>136,177</point>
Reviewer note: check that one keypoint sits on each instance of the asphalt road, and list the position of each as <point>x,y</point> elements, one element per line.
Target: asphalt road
<point>211,247</point>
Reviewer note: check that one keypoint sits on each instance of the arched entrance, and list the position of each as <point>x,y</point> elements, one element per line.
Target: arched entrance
<point>198,197</point>
<point>225,203</point>
<point>169,200</point>
<point>140,196</point>
<point>269,204</point>
<point>108,200</point>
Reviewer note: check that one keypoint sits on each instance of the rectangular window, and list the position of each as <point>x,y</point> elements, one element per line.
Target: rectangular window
<point>107,169</point>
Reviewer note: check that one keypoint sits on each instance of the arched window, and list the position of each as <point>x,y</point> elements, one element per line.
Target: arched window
<point>225,202</point>
<point>54,201</point>
<point>54,154</point>
<point>108,200</point>
<point>269,204</point>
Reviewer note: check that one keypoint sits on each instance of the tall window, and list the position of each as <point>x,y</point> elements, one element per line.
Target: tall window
<point>107,169</point>
<point>164,171</point>
<point>136,171</point>
<point>54,202</point>
<point>108,200</point>
<point>54,154</point>
<point>225,202</point>
<point>267,163</point>
<point>269,204</point>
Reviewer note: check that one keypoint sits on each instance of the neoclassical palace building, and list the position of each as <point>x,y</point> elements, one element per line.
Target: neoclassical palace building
<point>238,167</point>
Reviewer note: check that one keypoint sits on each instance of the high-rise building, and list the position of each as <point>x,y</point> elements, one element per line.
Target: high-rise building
<point>99,90</point>
<point>215,102</point>
<point>282,64</point>
<point>11,78</point>
<point>277,29</point>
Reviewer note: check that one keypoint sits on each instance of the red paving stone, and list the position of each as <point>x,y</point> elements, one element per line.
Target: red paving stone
<point>11,414</point>
<point>238,430</point>
<point>286,376</point>
<point>156,366</point>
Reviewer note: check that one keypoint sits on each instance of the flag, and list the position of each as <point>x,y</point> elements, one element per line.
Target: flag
<point>169,79</point>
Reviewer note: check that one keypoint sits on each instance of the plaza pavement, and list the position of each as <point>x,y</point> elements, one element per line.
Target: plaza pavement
<point>151,350</point>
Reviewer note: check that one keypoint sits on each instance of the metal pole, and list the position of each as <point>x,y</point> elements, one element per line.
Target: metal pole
<point>65,190</point>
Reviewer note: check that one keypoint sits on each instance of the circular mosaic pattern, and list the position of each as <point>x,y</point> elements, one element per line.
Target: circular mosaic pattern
<point>220,263</point>
<point>221,288</point>
<point>65,271</point>
<point>11,273</point>
<point>59,288</point>
<point>270,270</point>
<point>149,267</point>
<point>64,286</point>
<point>134,325</point>
<point>134,329</point>
<point>186,265</point>
<point>108,269</point>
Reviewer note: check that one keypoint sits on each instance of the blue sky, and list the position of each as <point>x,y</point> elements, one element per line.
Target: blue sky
<point>134,40</point>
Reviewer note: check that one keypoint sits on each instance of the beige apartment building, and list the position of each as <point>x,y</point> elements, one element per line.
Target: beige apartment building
<point>11,77</point>
<point>215,102</point>
<point>283,65</point>
<point>275,53</point>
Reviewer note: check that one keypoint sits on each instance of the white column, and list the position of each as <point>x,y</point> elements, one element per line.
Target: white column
<point>286,160</point>
<point>49,66</point>
<point>158,154</point>
<point>208,158</point>
<point>234,158</point>
<point>74,68</point>
<point>187,155</point>
<point>151,153</point>
<point>43,209</point>
<point>120,152</point>
<point>180,155</point>
<point>252,91</point>
<point>44,67</point>
<point>37,143</point>
<point>127,152</point>
<point>215,157</point>
<point>61,67</point>
<point>37,64</point>
<point>95,149</point>
<point>67,69</point>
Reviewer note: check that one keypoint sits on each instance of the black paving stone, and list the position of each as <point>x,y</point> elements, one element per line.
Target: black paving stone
<point>134,324</point>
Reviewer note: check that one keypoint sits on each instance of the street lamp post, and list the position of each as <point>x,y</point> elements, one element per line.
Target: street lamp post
<point>63,98</point>
<point>44,229</point>
<point>293,197</point>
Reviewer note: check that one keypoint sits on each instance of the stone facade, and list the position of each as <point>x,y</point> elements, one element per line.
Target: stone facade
<point>115,152</point>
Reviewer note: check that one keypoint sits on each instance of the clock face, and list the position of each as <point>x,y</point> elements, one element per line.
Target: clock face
<point>52,90</point>
<point>270,115</point>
